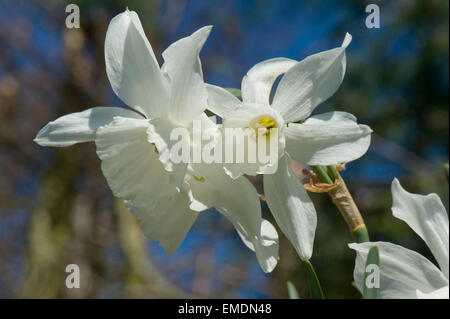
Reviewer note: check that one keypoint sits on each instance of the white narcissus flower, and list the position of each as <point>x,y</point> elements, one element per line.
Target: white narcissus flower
<point>135,147</point>
<point>405,274</point>
<point>324,139</point>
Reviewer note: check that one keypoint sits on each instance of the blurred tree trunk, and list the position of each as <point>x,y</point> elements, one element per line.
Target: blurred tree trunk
<point>142,278</point>
<point>50,229</point>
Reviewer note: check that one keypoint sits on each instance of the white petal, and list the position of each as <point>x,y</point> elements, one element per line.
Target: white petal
<point>427,216</point>
<point>244,118</point>
<point>168,223</point>
<point>131,165</point>
<point>327,139</point>
<point>159,131</point>
<point>184,70</point>
<point>402,271</point>
<point>310,82</point>
<point>257,83</point>
<point>292,208</point>
<point>238,201</point>
<point>79,127</point>
<point>441,293</point>
<point>213,119</point>
<point>268,256</point>
<point>132,68</point>
<point>221,102</point>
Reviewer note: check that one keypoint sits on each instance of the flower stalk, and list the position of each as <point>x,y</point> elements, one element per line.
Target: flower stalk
<point>322,174</point>
<point>315,289</point>
<point>341,197</point>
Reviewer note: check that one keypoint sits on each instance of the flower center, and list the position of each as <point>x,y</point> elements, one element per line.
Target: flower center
<point>263,125</point>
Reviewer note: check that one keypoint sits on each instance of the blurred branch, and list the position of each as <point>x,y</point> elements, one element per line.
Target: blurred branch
<point>141,275</point>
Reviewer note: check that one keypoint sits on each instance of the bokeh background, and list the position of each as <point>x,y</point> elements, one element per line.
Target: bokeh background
<point>55,205</point>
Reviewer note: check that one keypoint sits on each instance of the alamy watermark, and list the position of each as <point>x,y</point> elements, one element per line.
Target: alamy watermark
<point>73,277</point>
<point>73,19</point>
<point>227,145</point>
<point>373,276</point>
<point>373,19</point>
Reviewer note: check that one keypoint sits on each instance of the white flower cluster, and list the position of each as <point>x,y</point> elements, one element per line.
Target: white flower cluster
<point>166,195</point>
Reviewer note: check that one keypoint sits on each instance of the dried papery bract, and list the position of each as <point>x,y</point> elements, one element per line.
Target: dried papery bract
<point>343,200</point>
<point>341,197</point>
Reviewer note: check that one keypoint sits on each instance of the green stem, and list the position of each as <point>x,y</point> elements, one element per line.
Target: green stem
<point>361,235</point>
<point>315,290</point>
<point>332,172</point>
<point>322,174</point>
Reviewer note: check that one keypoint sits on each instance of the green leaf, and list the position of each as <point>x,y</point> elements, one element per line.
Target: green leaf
<point>236,92</point>
<point>373,258</point>
<point>292,291</point>
<point>315,290</point>
<point>445,167</point>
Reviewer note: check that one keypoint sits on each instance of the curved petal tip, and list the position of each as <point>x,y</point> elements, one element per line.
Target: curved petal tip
<point>347,40</point>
